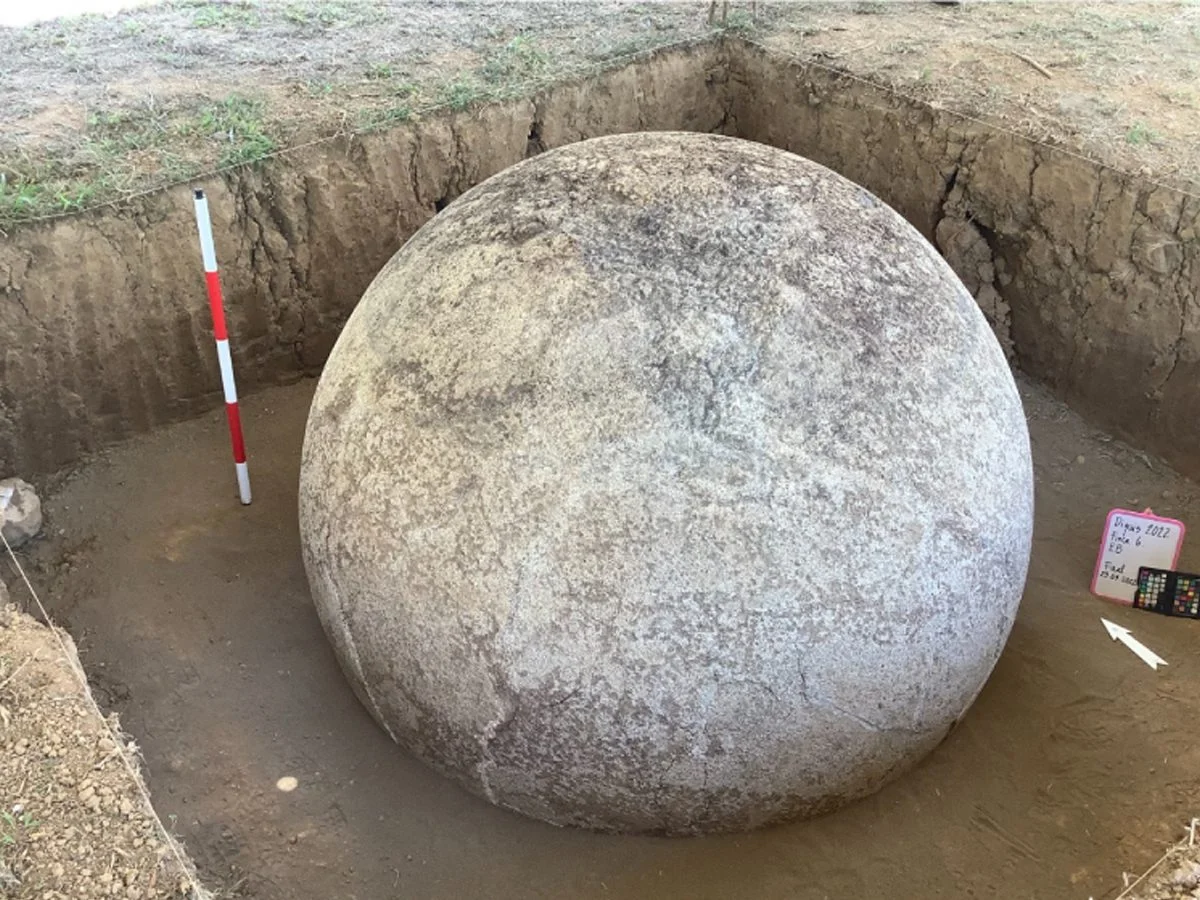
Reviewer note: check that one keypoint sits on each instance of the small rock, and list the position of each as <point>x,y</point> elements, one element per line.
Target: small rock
<point>20,512</point>
<point>1080,459</point>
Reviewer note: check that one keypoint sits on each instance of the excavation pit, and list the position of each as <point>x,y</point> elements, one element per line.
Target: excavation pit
<point>194,617</point>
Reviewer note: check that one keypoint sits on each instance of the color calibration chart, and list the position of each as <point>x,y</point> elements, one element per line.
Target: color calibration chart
<point>1168,592</point>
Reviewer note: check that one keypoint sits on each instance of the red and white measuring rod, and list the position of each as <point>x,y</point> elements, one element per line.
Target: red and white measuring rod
<point>216,304</point>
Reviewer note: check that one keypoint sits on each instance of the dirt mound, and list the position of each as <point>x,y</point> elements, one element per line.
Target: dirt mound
<point>1174,877</point>
<point>73,819</point>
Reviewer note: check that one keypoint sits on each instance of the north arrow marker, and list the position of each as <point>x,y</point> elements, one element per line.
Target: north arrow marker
<point>1144,653</point>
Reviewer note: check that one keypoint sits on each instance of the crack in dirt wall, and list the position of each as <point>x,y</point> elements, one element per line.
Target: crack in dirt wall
<point>1088,277</point>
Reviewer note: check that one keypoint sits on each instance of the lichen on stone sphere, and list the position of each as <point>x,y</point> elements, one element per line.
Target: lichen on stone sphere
<point>667,483</point>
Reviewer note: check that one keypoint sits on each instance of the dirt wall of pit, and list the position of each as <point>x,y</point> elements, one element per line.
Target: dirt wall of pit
<point>104,325</point>
<point>1088,276</point>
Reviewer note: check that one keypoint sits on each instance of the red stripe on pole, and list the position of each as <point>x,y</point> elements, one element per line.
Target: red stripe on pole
<point>216,305</point>
<point>235,432</point>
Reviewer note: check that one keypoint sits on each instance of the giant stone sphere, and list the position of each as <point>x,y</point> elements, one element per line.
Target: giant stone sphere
<point>667,483</point>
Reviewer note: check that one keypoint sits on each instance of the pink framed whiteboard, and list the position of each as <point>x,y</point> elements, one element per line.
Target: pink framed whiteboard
<point>1131,540</point>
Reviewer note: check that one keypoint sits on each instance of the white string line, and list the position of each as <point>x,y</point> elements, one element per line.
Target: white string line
<point>198,892</point>
<point>1185,843</point>
<point>966,117</point>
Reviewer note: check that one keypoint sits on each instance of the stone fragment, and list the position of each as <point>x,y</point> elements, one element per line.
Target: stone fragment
<point>20,512</point>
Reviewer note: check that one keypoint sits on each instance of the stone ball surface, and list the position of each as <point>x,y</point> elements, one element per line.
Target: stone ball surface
<point>667,483</point>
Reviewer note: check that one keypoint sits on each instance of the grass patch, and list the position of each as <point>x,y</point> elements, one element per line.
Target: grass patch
<point>13,826</point>
<point>318,87</point>
<point>463,93</point>
<point>739,22</point>
<point>117,131</point>
<point>378,120</point>
<point>1140,135</point>
<point>518,59</point>
<point>225,15</point>
<point>238,123</point>
<point>19,199</point>
<point>629,47</point>
<point>325,14</point>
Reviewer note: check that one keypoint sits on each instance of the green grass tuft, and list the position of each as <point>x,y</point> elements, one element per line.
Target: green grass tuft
<point>739,22</point>
<point>225,15</point>
<point>629,47</point>
<point>379,120</point>
<point>1140,135</point>
<point>518,59</point>
<point>462,94</point>
<point>238,123</point>
<point>326,14</point>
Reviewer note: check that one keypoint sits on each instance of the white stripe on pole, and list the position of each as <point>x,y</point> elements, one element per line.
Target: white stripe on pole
<point>226,363</point>
<point>243,477</point>
<point>207,251</point>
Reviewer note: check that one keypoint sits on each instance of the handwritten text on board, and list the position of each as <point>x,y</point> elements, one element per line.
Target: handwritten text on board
<point>1131,540</point>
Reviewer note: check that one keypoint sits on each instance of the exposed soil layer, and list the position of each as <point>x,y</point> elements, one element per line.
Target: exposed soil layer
<point>193,614</point>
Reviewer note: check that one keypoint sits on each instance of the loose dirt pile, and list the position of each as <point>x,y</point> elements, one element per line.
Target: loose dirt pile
<point>1176,876</point>
<point>73,821</point>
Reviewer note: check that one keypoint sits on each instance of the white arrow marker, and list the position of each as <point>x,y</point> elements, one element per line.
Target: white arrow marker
<point>1144,653</point>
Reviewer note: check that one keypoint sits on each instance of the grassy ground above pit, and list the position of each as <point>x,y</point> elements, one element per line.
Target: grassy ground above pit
<point>101,107</point>
<point>104,107</point>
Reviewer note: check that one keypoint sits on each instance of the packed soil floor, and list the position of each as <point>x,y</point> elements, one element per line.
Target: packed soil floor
<point>1076,765</point>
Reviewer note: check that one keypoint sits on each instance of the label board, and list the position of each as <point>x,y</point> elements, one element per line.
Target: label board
<point>1132,540</point>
